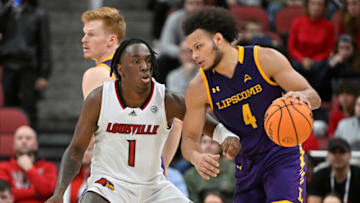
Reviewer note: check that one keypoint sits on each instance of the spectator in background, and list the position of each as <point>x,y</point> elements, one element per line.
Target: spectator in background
<point>349,128</point>
<point>5,192</point>
<point>254,34</point>
<point>78,185</point>
<point>178,79</point>
<point>32,180</point>
<point>24,54</point>
<point>311,38</point>
<point>332,198</point>
<point>213,196</point>
<point>350,19</point>
<point>224,182</point>
<point>340,177</point>
<point>171,37</point>
<point>346,93</point>
<point>344,62</point>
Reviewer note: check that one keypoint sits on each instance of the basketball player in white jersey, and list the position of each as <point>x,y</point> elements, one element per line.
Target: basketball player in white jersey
<point>130,119</point>
<point>104,29</point>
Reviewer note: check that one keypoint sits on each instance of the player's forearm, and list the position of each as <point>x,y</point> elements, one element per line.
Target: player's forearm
<point>172,142</point>
<point>313,97</point>
<point>69,168</point>
<point>210,125</point>
<point>190,147</point>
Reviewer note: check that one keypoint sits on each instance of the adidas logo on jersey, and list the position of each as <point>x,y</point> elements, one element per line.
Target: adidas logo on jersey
<point>133,113</point>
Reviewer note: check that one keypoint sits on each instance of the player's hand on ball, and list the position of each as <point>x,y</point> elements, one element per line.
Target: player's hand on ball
<point>207,165</point>
<point>55,199</point>
<point>297,95</point>
<point>230,147</point>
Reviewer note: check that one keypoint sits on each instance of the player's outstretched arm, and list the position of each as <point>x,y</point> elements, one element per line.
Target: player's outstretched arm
<point>277,67</point>
<point>94,77</point>
<point>172,143</point>
<point>194,122</point>
<point>175,110</point>
<point>71,159</point>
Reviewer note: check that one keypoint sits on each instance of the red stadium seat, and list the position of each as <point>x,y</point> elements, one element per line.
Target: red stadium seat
<point>245,13</point>
<point>10,120</point>
<point>285,17</point>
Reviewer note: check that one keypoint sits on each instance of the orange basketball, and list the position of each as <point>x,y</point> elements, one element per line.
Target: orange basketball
<point>288,123</point>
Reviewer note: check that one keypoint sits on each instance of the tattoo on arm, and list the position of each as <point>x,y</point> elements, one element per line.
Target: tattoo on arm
<point>69,168</point>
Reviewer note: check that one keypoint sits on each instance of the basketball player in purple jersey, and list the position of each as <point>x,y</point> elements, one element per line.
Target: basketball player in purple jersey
<point>104,29</point>
<point>239,83</point>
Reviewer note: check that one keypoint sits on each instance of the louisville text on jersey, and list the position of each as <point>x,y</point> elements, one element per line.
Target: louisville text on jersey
<point>132,129</point>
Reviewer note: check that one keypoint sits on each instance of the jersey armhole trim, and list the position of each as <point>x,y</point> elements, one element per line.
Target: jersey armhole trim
<point>256,58</point>
<point>109,69</point>
<point>207,87</point>
<point>241,54</point>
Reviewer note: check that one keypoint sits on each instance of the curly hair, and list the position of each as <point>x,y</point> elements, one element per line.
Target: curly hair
<point>213,20</point>
<point>120,50</point>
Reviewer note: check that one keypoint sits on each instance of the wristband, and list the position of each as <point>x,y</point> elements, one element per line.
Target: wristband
<point>221,133</point>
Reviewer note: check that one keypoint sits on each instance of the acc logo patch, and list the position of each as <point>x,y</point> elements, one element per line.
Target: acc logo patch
<point>154,109</point>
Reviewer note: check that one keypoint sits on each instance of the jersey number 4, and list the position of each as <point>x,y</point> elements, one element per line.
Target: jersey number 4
<point>249,118</point>
<point>131,159</point>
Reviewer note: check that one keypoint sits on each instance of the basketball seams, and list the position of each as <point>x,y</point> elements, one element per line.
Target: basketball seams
<point>278,131</point>
<point>281,121</point>
<point>268,118</point>
<point>292,121</point>
<point>280,107</point>
<point>303,116</point>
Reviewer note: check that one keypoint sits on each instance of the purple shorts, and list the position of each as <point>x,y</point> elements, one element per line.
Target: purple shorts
<point>277,175</point>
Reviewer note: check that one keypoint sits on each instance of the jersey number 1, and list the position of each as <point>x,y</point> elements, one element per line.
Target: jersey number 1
<point>249,119</point>
<point>131,160</point>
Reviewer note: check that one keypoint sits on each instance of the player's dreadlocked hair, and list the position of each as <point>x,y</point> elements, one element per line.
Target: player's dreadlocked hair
<point>119,51</point>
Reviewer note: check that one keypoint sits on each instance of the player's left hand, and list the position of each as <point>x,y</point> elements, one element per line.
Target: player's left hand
<point>230,147</point>
<point>294,95</point>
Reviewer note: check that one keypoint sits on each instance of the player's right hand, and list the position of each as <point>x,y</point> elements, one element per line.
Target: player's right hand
<point>230,147</point>
<point>55,199</point>
<point>207,165</point>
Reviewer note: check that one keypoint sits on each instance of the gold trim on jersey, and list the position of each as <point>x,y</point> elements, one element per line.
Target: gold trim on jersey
<point>207,88</point>
<point>256,58</point>
<point>241,54</point>
<point>303,173</point>
<point>107,67</point>
<point>283,201</point>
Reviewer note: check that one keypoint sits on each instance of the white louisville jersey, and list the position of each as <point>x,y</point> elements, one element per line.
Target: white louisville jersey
<point>129,141</point>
